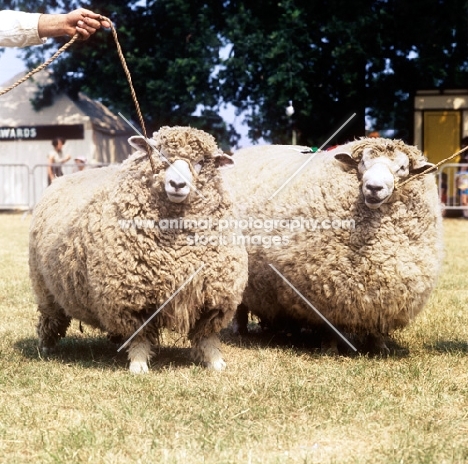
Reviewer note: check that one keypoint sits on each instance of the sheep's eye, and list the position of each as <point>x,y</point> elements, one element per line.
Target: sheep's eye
<point>198,165</point>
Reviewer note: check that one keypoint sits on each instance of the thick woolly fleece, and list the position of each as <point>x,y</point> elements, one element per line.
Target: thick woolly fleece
<point>369,279</point>
<point>85,264</point>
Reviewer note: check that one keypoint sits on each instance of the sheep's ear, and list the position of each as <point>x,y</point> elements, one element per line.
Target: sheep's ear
<point>223,161</point>
<point>140,143</point>
<point>425,167</point>
<point>347,159</point>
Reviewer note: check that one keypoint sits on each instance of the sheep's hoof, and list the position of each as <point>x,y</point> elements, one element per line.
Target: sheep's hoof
<point>330,351</point>
<point>206,351</point>
<point>235,328</point>
<point>377,345</point>
<point>47,350</point>
<point>219,365</point>
<point>329,347</point>
<point>383,350</point>
<point>138,367</point>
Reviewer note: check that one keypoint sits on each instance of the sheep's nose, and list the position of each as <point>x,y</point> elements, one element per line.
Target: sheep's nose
<point>374,188</point>
<point>176,185</point>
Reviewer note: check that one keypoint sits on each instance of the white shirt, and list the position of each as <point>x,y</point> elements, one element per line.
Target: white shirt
<point>19,29</point>
<point>56,156</point>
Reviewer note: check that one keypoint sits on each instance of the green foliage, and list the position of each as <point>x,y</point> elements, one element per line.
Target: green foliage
<point>335,58</point>
<point>170,47</point>
<point>331,58</point>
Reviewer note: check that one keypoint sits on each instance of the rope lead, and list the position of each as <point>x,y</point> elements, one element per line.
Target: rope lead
<point>42,66</point>
<point>124,65</point>
<point>433,168</point>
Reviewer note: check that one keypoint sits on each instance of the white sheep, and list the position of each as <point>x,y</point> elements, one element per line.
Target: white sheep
<point>98,252</point>
<point>363,250</point>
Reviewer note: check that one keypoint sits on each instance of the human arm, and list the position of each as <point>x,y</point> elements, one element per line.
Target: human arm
<point>50,171</point>
<point>21,29</point>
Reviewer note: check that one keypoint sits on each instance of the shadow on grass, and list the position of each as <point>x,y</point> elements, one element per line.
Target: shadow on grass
<point>448,346</point>
<point>266,338</point>
<point>99,352</point>
<point>305,342</point>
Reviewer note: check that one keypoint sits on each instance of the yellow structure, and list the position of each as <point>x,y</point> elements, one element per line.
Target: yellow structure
<point>440,122</point>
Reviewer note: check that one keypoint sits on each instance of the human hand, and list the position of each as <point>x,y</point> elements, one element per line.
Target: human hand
<point>85,22</point>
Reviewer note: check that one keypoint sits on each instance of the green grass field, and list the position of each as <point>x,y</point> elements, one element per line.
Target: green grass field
<point>275,403</point>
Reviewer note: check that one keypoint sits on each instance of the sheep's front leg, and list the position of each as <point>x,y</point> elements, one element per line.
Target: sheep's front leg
<point>241,320</point>
<point>139,354</point>
<point>207,351</point>
<point>52,326</point>
<point>206,347</point>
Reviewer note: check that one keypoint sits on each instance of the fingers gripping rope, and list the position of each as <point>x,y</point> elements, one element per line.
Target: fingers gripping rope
<point>124,65</point>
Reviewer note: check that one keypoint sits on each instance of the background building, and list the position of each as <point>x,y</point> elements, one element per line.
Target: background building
<point>440,124</point>
<point>91,130</point>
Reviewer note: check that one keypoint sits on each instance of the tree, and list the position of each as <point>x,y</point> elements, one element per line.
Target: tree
<point>331,58</point>
<point>309,52</point>
<point>430,51</point>
<point>336,57</point>
<point>171,48</point>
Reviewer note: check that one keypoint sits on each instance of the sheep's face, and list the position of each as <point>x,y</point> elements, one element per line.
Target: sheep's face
<point>180,173</point>
<point>380,173</point>
<point>178,180</point>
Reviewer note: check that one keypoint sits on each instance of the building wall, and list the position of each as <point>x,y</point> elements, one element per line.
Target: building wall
<point>434,100</point>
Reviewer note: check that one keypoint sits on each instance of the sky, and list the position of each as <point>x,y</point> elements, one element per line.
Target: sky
<point>10,65</point>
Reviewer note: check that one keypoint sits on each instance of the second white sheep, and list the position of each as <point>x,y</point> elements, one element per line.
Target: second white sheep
<point>363,250</point>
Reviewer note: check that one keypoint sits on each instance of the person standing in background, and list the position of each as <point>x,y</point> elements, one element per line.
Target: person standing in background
<point>56,159</point>
<point>462,178</point>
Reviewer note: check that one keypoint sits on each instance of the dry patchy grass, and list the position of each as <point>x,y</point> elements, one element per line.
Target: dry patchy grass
<point>278,402</point>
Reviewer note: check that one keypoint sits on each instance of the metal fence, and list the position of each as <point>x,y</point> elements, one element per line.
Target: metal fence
<point>15,191</point>
<point>453,182</point>
<point>21,186</point>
